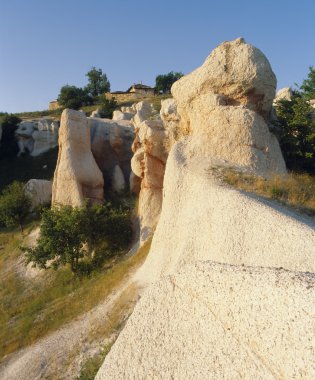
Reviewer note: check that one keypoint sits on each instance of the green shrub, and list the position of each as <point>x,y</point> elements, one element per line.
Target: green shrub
<point>81,237</point>
<point>14,205</point>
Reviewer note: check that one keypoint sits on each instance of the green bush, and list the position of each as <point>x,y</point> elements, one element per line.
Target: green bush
<point>73,97</point>
<point>296,125</point>
<point>81,237</point>
<point>106,106</point>
<point>14,205</point>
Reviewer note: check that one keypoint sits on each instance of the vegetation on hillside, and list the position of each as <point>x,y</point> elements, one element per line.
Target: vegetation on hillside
<point>76,97</point>
<point>30,308</point>
<point>296,191</point>
<point>83,237</point>
<point>296,123</point>
<point>14,205</point>
<point>163,83</point>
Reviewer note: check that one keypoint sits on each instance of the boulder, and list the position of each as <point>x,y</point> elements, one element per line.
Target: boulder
<point>237,72</point>
<point>226,108</point>
<point>96,113</point>
<point>39,191</point>
<point>283,94</point>
<point>119,115</point>
<point>77,176</point>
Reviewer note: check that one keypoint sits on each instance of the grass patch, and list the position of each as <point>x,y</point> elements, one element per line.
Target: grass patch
<point>93,364</point>
<point>294,190</point>
<point>29,309</point>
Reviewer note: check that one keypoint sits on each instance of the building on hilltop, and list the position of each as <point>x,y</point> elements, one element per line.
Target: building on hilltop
<point>53,105</point>
<point>141,89</point>
<point>138,90</point>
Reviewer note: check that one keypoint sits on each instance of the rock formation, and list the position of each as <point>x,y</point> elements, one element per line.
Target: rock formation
<point>39,191</point>
<point>24,134</point>
<point>285,93</point>
<point>216,321</point>
<point>77,176</point>
<point>111,147</point>
<point>229,297</point>
<point>37,136</point>
<point>150,147</point>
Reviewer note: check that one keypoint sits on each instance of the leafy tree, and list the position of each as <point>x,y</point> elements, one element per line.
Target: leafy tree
<point>308,85</point>
<point>98,82</point>
<point>82,237</point>
<point>297,132</point>
<point>8,145</point>
<point>163,83</point>
<point>107,107</point>
<point>73,97</point>
<point>14,205</point>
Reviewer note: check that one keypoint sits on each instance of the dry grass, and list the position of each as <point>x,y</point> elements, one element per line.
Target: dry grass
<point>30,309</point>
<point>294,190</point>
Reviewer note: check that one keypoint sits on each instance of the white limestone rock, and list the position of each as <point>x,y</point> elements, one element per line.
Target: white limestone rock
<point>283,94</point>
<point>24,137</point>
<point>39,191</point>
<point>216,321</point>
<point>111,146</point>
<point>77,176</point>
<point>119,115</point>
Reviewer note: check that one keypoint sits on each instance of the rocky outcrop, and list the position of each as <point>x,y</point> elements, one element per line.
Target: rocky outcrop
<point>232,274</point>
<point>37,137</point>
<point>227,108</point>
<point>39,191</point>
<point>150,147</point>
<point>111,147</point>
<point>283,94</point>
<point>24,138</point>
<point>77,176</point>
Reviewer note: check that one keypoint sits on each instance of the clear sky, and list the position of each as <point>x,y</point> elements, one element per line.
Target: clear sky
<point>45,44</point>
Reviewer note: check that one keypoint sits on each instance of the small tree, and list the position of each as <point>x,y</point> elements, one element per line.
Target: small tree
<point>14,205</point>
<point>297,127</point>
<point>308,85</point>
<point>81,237</point>
<point>163,83</point>
<point>73,97</point>
<point>98,82</point>
<point>107,107</point>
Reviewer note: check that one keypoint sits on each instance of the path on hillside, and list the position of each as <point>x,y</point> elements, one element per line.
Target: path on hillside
<point>63,351</point>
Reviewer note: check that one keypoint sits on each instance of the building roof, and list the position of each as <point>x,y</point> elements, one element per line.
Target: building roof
<point>140,86</point>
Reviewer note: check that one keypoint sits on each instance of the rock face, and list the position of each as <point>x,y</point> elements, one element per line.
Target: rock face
<point>111,147</point>
<point>230,276</point>
<point>285,93</point>
<point>216,321</point>
<point>39,191</point>
<point>227,108</point>
<point>150,147</point>
<point>24,134</point>
<point>77,176</point>
<point>37,137</point>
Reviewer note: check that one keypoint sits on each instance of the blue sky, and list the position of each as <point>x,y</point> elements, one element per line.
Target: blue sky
<point>46,44</point>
